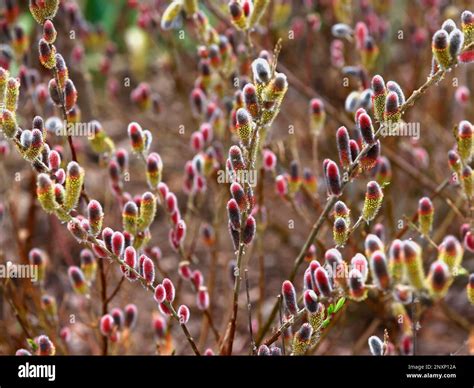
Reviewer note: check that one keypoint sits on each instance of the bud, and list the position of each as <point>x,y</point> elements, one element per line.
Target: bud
<point>395,261</point>
<point>322,282</point>
<point>131,316</point>
<point>107,325</point>
<point>130,263</point>
<point>9,124</point>
<point>95,215</point>
<point>462,95</point>
<point>378,97</point>
<point>233,213</point>
<point>249,230</point>
<point>383,171</point>
<point>43,10</point>
<point>107,234</point>
<point>456,41</point>
<point>392,108</point>
<point>261,71</point>
<point>251,100</point>
<point>454,161</point>
<point>170,290</point>
<point>74,182</point>
<point>366,128</point>
<point>317,115</point>
<point>465,140</point>
<point>467,26</point>
<point>359,262</point>
<point>269,160</point>
<point>289,297</point>
<point>78,282</point>
<point>37,258</point>
<point>45,346</point>
<point>369,160</point>
<point>236,158</point>
<point>373,201</point>
<point>77,229</point>
<point>439,279</point>
<point>238,16</point>
<point>263,350</point>
<point>451,252</point>
<point>45,193</point>
<point>342,138</point>
<point>130,217</point>
<point>392,86</point>
<point>281,185</point>
<point>88,264</point>
<point>357,289</point>
<point>244,126</point>
<point>413,264</point>
<point>376,346</point>
<point>22,352</point>
<point>49,306</point>
<point>183,314</point>
<point>333,178</point>
<point>148,269</point>
<point>379,270</point>
<point>340,231</point>
<point>302,339</point>
<point>12,94</point>
<point>49,32</point>
<point>425,215</point>
<point>137,137</point>
<point>47,54</point>
<point>147,211</point>
<point>310,301</point>
<point>62,71</point>
<point>239,195</point>
<point>466,178</point>
<point>440,48</point>
<point>202,299</point>
<point>159,326</point>
<point>160,294</point>
<point>70,95</point>
<point>118,243</point>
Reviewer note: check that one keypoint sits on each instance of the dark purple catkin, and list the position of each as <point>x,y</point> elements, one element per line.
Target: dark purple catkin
<point>342,139</point>
<point>366,128</point>
<point>131,315</point>
<point>369,160</point>
<point>379,270</point>
<point>238,194</point>
<point>289,297</point>
<point>322,282</point>
<point>392,86</point>
<point>333,178</point>
<point>354,147</point>
<point>118,317</point>
<point>236,158</point>
<point>233,213</point>
<point>249,230</point>
<point>310,301</point>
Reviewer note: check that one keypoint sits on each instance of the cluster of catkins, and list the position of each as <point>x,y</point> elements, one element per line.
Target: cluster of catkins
<point>396,270</point>
<point>255,108</point>
<point>449,41</point>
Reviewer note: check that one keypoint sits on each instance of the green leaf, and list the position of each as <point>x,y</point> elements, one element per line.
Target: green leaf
<point>339,304</point>
<point>326,322</point>
<point>330,309</point>
<point>33,344</point>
